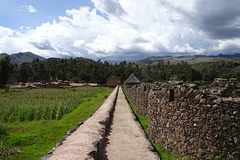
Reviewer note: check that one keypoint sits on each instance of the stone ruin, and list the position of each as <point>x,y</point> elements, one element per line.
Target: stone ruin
<point>193,122</point>
<point>52,84</point>
<point>113,81</point>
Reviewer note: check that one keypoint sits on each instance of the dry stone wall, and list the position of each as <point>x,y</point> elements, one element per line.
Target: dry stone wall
<point>201,124</point>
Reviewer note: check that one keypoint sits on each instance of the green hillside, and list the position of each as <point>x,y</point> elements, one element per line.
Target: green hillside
<point>189,59</point>
<point>19,58</point>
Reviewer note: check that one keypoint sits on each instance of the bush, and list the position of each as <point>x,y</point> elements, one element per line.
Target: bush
<point>2,129</point>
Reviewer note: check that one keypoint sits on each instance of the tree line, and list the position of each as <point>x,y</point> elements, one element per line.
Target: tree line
<point>86,70</point>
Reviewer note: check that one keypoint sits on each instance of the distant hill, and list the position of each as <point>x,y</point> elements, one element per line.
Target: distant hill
<point>19,58</point>
<point>236,55</point>
<point>189,59</point>
<point>173,60</point>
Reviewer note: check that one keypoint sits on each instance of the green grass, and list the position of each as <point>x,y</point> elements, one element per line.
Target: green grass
<point>29,105</point>
<point>32,139</point>
<point>142,119</point>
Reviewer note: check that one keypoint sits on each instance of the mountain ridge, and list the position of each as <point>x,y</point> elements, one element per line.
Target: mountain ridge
<point>19,58</point>
<point>191,59</point>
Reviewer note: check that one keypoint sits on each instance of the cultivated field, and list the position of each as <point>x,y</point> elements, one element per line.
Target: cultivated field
<point>33,121</point>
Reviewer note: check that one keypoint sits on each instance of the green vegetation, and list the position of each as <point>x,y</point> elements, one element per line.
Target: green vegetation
<point>142,119</point>
<point>29,105</point>
<point>20,57</point>
<point>6,68</point>
<point>223,69</point>
<point>81,69</point>
<point>160,69</point>
<point>34,137</point>
<point>87,70</point>
<point>190,59</point>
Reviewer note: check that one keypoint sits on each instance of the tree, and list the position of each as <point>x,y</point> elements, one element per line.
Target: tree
<point>6,68</point>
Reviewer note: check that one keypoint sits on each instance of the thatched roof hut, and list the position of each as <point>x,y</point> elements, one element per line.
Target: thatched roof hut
<point>132,80</point>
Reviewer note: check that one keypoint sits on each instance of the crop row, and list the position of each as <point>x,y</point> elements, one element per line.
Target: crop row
<point>28,105</point>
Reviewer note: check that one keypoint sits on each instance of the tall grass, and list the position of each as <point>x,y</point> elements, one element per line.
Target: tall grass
<point>29,105</point>
<point>32,129</point>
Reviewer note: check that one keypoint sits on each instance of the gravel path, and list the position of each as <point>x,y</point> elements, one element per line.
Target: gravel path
<point>127,140</point>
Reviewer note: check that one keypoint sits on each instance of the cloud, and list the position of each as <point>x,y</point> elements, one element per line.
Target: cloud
<point>133,29</point>
<point>43,45</point>
<point>28,8</point>
<point>5,32</point>
<point>219,19</point>
<point>112,7</point>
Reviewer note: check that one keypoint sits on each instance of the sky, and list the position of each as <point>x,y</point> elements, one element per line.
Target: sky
<point>116,30</point>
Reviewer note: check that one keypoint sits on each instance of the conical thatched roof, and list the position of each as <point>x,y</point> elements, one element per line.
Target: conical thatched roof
<point>132,80</point>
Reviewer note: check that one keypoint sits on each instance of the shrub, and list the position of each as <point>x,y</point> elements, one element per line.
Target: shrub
<point>2,129</point>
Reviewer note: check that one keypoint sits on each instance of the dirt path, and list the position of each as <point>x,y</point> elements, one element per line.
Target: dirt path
<point>127,140</point>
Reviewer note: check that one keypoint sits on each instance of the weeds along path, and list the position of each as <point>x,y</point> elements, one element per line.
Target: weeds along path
<point>126,139</point>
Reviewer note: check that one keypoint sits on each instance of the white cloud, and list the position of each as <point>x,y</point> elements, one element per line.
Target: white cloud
<point>5,32</point>
<point>78,43</point>
<point>134,29</point>
<point>28,8</point>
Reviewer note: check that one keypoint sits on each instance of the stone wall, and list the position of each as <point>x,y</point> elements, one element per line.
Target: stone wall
<point>197,123</point>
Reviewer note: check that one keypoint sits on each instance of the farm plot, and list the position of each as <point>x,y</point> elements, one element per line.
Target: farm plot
<point>33,121</point>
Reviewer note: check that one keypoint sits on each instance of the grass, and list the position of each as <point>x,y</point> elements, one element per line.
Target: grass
<point>33,139</point>
<point>29,105</point>
<point>142,119</point>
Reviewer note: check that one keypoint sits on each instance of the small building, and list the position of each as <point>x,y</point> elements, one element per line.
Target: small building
<point>16,86</point>
<point>132,80</point>
<point>93,84</point>
<point>175,78</point>
<point>78,84</point>
<point>65,83</point>
<point>220,81</point>
<point>113,81</point>
<point>21,83</point>
<point>233,80</point>
<point>223,82</point>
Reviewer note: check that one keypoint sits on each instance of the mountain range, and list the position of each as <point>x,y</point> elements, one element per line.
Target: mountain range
<point>189,59</point>
<point>19,58</point>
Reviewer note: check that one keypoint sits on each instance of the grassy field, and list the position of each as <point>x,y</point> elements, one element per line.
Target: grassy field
<point>33,121</point>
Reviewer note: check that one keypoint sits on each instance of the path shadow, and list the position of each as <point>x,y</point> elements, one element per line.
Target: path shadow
<point>103,154</point>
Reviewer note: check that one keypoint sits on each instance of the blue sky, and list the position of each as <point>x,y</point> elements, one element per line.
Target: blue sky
<point>116,30</point>
<point>46,10</point>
